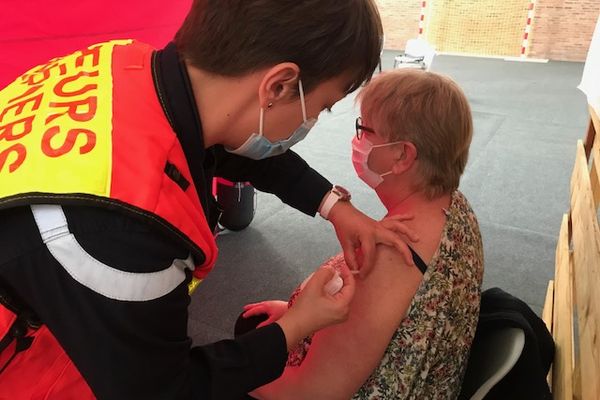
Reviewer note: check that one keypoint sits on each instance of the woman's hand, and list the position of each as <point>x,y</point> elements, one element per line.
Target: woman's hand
<point>314,308</point>
<point>359,233</point>
<point>273,308</point>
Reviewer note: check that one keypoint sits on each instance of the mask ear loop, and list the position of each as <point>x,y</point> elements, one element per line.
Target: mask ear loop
<point>383,145</point>
<point>375,146</point>
<point>301,90</point>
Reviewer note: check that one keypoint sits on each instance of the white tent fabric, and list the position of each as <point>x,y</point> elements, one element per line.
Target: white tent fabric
<point>590,81</point>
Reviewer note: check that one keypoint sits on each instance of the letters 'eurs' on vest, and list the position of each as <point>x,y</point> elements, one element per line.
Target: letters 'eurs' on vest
<point>88,128</point>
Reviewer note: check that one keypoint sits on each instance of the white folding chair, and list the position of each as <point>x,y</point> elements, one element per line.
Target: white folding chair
<point>491,358</point>
<point>417,54</point>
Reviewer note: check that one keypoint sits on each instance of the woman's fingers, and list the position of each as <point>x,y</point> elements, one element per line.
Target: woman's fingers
<point>256,310</point>
<point>266,322</point>
<point>249,306</point>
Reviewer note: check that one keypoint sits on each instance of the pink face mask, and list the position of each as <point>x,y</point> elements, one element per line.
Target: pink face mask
<point>360,159</point>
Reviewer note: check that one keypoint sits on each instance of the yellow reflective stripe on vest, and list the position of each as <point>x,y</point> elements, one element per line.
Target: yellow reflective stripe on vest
<point>193,285</point>
<point>55,126</point>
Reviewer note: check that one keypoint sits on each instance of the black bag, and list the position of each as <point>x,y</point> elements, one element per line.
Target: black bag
<point>527,379</point>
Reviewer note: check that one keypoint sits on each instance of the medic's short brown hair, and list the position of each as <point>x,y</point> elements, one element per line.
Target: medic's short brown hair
<point>325,38</point>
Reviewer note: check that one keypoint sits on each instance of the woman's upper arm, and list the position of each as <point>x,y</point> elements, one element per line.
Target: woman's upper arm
<point>343,356</point>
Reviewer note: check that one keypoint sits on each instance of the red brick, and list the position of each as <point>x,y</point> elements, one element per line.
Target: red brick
<point>561,29</point>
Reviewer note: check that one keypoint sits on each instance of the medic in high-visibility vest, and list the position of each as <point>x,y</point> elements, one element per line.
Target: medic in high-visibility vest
<point>106,161</point>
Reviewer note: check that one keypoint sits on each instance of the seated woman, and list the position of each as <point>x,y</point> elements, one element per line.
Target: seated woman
<point>410,329</point>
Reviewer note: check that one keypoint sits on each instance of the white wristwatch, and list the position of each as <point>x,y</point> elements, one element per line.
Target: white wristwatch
<point>336,194</point>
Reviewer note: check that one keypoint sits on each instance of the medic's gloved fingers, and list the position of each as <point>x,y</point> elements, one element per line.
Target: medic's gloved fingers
<point>349,282</point>
<point>315,287</point>
<point>315,308</point>
<point>368,248</point>
<point>349,249</point>
<point>400,217</point>
<point>390,238</point>
<point>398,227</point>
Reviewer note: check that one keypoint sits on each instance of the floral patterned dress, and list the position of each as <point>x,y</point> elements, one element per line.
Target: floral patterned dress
<point>428,353</point>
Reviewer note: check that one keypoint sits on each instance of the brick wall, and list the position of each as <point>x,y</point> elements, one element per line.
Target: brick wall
<point>562,29</point>
<point>479,27</point>
<point>400,21</point>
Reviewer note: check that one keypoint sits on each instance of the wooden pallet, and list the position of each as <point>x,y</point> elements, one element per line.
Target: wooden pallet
<point>572,306</point>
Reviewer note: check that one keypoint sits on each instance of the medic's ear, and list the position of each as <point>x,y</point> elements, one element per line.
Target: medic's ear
<point>280,83</point>
<point>405,154</point>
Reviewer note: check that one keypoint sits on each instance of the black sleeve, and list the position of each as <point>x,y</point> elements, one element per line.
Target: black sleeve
<point>233,367</point>
<point>130,349</point>
<point>287,176</point>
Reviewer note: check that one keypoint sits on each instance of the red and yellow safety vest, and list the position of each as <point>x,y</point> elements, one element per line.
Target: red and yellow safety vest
<point>88,128</point>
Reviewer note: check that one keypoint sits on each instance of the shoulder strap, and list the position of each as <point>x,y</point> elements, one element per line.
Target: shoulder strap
<point>418,261</point>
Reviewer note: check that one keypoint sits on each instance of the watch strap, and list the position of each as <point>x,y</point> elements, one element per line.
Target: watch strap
<point>328,204</point>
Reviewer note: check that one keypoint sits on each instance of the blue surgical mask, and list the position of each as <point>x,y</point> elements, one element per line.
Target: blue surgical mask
<point>258,147</point>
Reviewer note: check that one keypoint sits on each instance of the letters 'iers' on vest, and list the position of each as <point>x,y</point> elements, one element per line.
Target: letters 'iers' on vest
<point>51,108</point>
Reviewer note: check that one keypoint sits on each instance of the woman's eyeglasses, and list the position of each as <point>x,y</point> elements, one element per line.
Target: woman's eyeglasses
<point>360,128</point>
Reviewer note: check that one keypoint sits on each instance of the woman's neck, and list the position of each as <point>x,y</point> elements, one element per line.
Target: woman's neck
<point>401,202</point>
<point>427,222</point>
<point>414,202</point>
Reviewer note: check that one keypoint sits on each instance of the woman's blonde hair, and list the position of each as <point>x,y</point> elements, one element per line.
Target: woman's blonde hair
<point>428,110</point>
